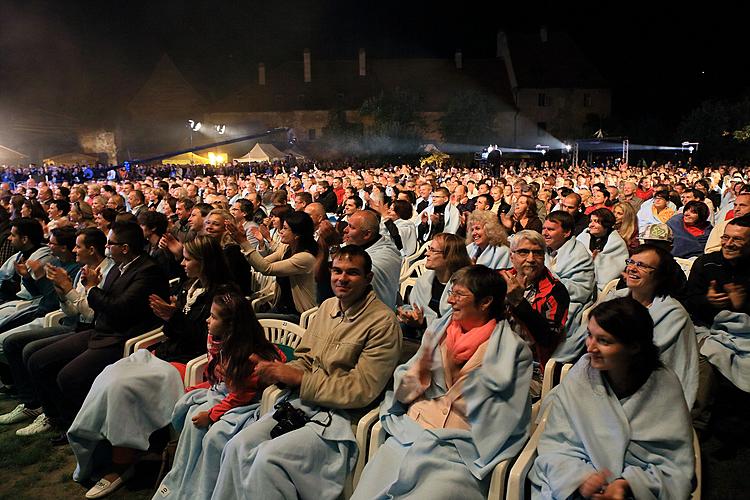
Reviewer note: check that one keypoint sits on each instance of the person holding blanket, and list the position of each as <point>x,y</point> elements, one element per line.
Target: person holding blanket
<point>606,246</point>
<point>219,408</point>
<point>570,261</point>
<point>487,241</point>
<point>459,406</point>
<point>618,425</point>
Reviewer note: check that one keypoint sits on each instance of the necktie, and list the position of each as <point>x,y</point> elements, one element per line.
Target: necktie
<point>477,253</point>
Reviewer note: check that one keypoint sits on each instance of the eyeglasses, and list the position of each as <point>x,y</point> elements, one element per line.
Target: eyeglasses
<point>458,295</point>
<point>639,265</point>
<point>434,250</point>
<point>734,239</point>
<point>111,243</point>
<point>524,252</point>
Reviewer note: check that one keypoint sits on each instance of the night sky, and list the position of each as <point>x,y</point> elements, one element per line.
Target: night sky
<point>71,56</point>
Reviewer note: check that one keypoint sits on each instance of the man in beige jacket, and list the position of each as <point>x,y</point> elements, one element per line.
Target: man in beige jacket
<point>346,357</point>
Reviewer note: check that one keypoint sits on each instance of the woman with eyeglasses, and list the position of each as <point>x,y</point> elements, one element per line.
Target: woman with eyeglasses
<point>691,230</point>
<point>487,241</point>
<point>650,279</point>
<point>133,398</point>
<point>458,407</point>
<point>606,246</point>
<point>429,296</point>
<point>618,425</point>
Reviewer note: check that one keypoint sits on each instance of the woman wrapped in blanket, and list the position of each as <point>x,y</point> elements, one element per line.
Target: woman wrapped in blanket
<point>135,396</point>
<point>460,405</point>
<point>605,245</point>
<point>487,241</point>
<point>220,407</point>
<point>618,425</point>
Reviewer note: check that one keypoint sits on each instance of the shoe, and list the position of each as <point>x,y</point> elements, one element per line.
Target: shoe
<point>19,414</point>
<point>105,487</point>
<point>39,425</point>
<point>59,439</point>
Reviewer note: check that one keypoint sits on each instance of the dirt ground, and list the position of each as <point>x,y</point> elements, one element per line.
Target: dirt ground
<point>31,468</point>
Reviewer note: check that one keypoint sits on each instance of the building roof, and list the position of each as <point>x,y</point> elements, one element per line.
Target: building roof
<point>555,63</point>
<point>336,84</point>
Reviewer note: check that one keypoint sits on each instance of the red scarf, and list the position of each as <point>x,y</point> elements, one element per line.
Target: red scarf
<point>694,230</point>
<point>462,346</point>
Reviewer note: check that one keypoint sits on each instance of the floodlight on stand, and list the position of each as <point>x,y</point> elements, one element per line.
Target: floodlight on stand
<point>542,149</point>
<point>689,146</point>
<point>194,125</point>
<point>567,147</point>
<point>220,129</point>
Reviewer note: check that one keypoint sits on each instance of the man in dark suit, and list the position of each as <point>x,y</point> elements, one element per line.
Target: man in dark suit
<point>62,373</point>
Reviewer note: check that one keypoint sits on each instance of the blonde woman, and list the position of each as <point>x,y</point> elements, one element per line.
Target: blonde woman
<point>626,224</point>
<point>487,241</point>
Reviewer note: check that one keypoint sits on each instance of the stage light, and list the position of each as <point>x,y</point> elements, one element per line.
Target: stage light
<point>567,147</point>
<point>542,148</point>
<point>220,129</point>
<point>193,125</point>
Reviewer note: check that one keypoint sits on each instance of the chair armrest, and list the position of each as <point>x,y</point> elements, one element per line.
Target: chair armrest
<point>498,480</point>
<point>194,370</point>
<point>271,395</point>
<point>149,341</point>
<point>377,438</point>
<point>53,318</point>
<point>261,299</point>
<point>364,428</point>
<point>130,343</point>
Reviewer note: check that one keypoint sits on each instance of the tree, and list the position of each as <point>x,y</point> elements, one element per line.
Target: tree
<point>395,123</point>
<point>470,118</point>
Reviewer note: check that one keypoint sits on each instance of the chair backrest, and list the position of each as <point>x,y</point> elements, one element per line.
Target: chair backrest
<point>417,268</point>
<point>306,317</point>
<point>405,286</point>
<point>609,287</point>
<point>685,264</point>
<point>283,334</point>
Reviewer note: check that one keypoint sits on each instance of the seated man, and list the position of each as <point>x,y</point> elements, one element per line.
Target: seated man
<point>440,217</point>
<point>716,298</point>
<point>571,262</point>
<point>537,300</point>
<point>346,357</point>
<point>21,342</point>
<point>62,372</point>
<point>363,230</point>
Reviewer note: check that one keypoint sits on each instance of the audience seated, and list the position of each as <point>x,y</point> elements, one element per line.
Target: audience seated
<point>440,217</point>
<point>690,229</point>
<point>486,240</point>
<point>606,246</point>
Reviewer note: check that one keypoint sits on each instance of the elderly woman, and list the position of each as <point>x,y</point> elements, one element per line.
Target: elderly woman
<point>524,216</point>
<point>487,241</point>
<point>650,279</point>
<point>429,296</point>
<point>691,230</point>
<point>618,425</point>
<point>605,245</point>
<point>626,223</point>
<point>459,406</point>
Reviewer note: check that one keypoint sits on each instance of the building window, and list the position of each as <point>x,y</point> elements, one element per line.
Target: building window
<point>541,129</point>
<point>543,100</point>
<point>586,100</point>
<point>311,133</point>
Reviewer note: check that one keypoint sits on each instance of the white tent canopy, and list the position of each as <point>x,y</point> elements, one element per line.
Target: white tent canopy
<point>262,152</point>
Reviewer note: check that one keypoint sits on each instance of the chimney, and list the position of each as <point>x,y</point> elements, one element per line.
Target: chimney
<point>308,69</point>
<point>362,63</point>
<point>543,34</point>
<point>459,57</point>
<point>261,74</point>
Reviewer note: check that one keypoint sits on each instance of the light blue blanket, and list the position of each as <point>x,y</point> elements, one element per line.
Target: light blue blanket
<point>493,256</point>
<point>727,347</point>
<point>445,463</point>
<point>421,294</point>
<point>127,402</point>
<point>575,269</point>
<point>198,457</point>
<point>308,463</point>
<point>645,439</point>
<point>610,262</point>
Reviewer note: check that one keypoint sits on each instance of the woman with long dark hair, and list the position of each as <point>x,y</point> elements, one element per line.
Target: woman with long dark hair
<point>605,245</point>
<point>292,263</point>
<point>618,425</point>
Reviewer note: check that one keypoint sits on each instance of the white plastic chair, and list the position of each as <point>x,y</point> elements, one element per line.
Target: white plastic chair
<point>283,333</point>
<point>417,268</point>
<point>609,287</point>
<point>53,318</point>
<point>685,264</point>
<point>130,343</point>
<point>306,317</point>
<point>195,369</point>
<point>265,293</point>
<point>408,261</point>
<point>149,341</point>
<point>405,285</point>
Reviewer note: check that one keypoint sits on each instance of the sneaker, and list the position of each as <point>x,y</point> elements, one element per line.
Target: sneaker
<point>39,425</point>
<point>19,414</point>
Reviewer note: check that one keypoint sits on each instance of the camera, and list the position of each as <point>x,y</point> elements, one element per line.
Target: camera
<point>289,419</point>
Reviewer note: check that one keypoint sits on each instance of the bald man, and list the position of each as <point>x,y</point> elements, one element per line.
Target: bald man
<point>364,230</point>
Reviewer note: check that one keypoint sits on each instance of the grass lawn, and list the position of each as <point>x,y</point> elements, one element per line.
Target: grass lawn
<point>31,468</point>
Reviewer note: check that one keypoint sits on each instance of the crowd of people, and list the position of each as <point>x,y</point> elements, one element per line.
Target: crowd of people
<point>637,275</point>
